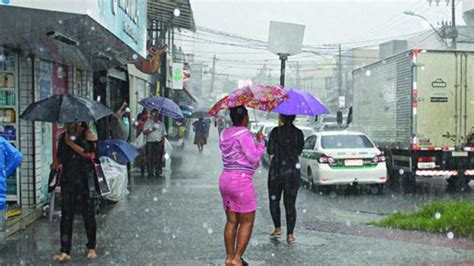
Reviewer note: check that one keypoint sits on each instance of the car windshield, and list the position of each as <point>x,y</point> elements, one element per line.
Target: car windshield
<point>345,142</point>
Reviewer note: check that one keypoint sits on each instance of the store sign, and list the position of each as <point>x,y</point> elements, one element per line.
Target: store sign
<point>123,18</point>
<point>177,76</point>
<point>126,20</point>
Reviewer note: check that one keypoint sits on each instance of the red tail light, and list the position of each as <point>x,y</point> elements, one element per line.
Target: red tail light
<point>426,159</point>
<point>327,160</point>
<point>378,159</point>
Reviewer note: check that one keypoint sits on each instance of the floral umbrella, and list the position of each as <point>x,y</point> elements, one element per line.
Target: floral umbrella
<point>261,97</point>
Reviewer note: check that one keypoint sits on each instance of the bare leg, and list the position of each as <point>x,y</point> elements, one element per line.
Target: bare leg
<point>244,233</point>
<point>229,236</point>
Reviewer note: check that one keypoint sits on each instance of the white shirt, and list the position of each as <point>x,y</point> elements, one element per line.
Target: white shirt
<point>158,133</point>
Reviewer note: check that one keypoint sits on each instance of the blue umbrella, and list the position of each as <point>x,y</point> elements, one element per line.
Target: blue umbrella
<point>301,103</point>
<point>118,150</point>
<point>186,113</point>
<point>164,105</point>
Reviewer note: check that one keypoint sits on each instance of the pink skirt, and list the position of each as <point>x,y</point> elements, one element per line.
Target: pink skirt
<point>237,191</point>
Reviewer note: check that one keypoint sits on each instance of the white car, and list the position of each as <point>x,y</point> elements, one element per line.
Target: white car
<point>342,158</point>
<point>307,131</point>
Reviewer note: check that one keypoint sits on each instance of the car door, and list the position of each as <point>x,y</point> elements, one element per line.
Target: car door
<point>307,154</point>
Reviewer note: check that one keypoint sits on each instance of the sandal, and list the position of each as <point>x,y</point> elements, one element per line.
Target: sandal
<point>62,257</point>
<point>276,234</point>
<point>91,254</point>
<point>290,239</point>
<point>243,262</point>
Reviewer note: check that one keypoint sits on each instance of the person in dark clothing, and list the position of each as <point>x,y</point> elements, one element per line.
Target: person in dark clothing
<point>76,149</point>
<point>155,133</point>
<point>285,144</point>
<point>201,129</point>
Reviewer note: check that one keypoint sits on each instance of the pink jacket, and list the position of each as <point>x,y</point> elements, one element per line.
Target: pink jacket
<point>239,150</point>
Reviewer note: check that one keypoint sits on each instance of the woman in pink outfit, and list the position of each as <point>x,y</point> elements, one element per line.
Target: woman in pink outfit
<point>241,157</point>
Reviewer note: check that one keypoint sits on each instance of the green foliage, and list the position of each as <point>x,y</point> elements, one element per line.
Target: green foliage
<point>436,217</point>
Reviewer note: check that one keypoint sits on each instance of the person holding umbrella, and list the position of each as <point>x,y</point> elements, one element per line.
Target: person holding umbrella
<point>241,157</point>
<point>155,133</point>
<point>200,129</point>
<point>76,149</point>
<point>285,144</point>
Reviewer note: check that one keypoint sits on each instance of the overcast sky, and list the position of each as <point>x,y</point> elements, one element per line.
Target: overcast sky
<point>331,22</point>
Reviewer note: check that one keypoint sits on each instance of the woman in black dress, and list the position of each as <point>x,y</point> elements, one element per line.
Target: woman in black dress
<point>76,149</point>
<point>285,144</point>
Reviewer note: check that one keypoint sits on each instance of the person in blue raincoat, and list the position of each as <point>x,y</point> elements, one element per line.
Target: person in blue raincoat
<point>10,159</point>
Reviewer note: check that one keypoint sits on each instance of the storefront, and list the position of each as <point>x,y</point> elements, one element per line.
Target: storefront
<point>48,49</point>
<point>140,88</point>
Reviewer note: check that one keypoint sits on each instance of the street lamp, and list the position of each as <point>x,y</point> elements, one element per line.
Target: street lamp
<point>411,13</point>
<point>176,12</point>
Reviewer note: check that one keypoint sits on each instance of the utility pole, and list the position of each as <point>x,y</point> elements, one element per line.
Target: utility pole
<point>214,59</point>
<point>448,31</point>
<point>339,72</point>
<point>453,19</point>
<point>283,58</point>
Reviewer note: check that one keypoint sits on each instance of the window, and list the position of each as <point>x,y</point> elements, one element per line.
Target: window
<point>309,143</point>
<point>345,142</point>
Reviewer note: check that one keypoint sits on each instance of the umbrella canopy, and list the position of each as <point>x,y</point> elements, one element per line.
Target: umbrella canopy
<point>65,108</point>
<point>186,113</point>
<point>301,103</point>
<point>164,105</point>
<point>260,97</point>
<point>118,150</point>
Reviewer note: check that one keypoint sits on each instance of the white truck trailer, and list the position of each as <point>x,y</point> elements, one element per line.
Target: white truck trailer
<point>418,107</point>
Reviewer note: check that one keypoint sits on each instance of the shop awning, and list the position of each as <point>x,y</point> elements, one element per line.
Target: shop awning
<point>162,10</point>
<point>72,39</point>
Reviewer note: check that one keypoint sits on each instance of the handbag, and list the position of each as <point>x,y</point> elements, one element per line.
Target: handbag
<point>97,183</point>
<point>54,177</point>
<point>140,142</point>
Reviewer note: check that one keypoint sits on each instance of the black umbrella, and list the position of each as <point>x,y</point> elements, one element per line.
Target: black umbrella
<point>65,108</point>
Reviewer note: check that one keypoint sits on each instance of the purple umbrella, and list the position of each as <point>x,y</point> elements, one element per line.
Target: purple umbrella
<point>301,103</point>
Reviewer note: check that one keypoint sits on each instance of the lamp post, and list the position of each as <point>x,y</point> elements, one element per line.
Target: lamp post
<point>411,13</point>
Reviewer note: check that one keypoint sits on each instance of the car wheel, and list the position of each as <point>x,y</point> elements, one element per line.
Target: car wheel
<point>311,185</point>
<point>377,189</point>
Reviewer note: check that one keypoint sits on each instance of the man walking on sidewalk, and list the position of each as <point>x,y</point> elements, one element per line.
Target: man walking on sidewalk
<point>155,133</point>
<point>10,159</point>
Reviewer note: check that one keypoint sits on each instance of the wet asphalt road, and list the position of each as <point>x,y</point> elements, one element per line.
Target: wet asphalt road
<point>178,220</point>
